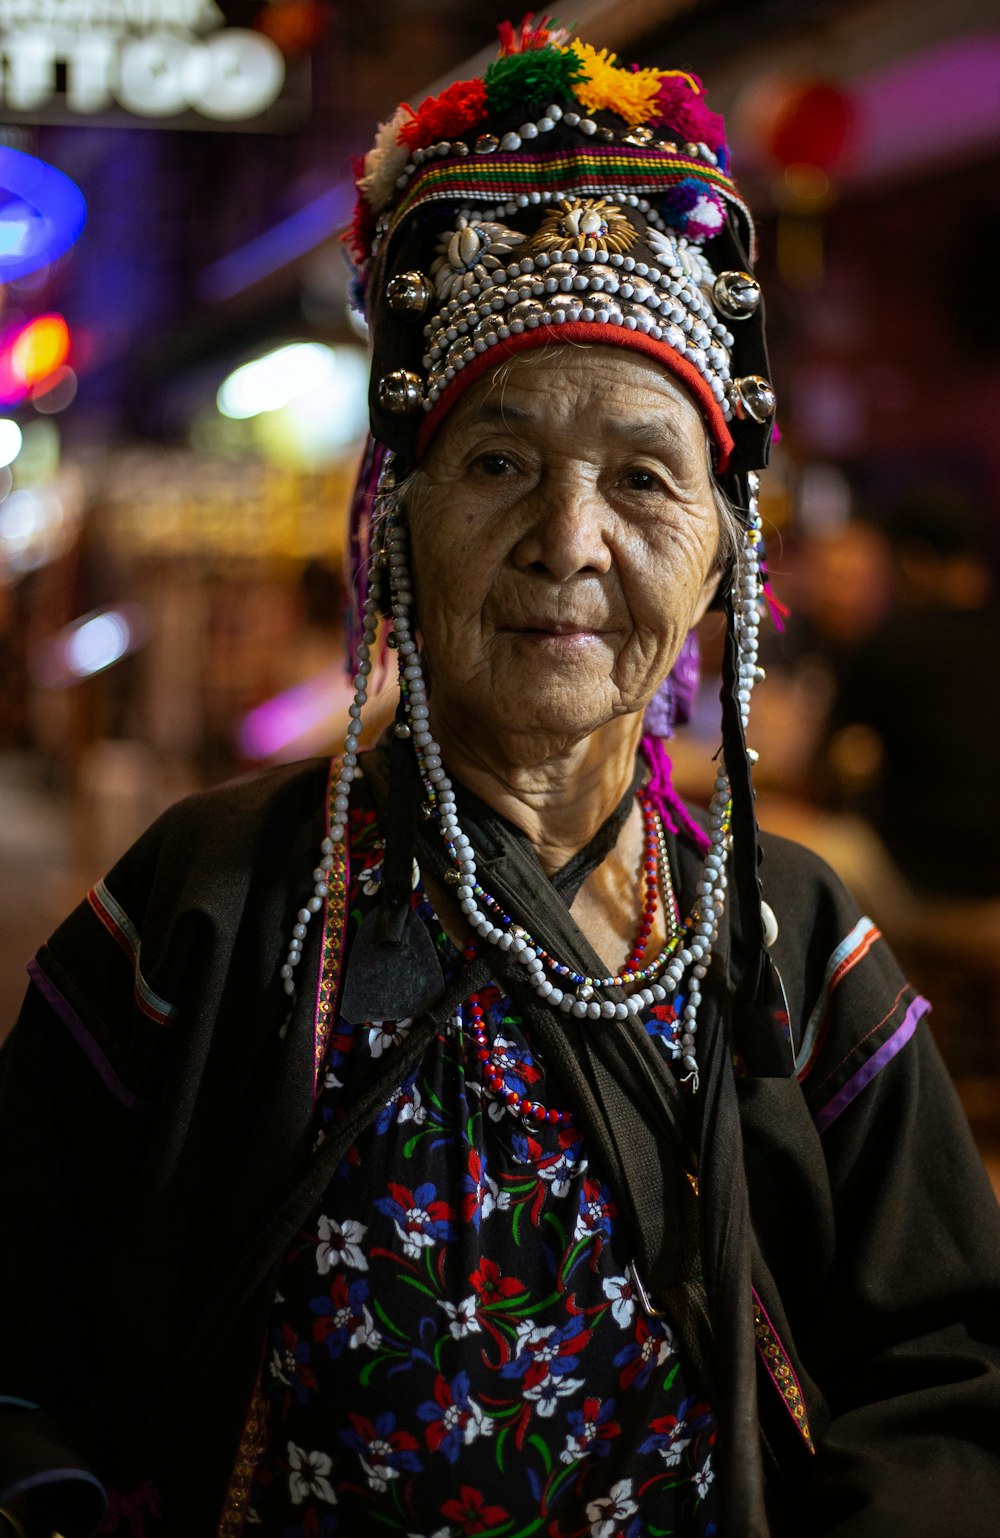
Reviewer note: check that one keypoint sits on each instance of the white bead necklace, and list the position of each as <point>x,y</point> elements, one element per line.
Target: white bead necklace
<point>585,1000</point>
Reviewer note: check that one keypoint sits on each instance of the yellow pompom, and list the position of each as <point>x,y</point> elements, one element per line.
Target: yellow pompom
<point>630,93</point>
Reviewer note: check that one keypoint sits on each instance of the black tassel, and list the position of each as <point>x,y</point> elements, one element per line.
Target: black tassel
<point>394,972</point>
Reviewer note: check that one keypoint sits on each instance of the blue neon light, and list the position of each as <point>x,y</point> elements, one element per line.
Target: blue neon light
<point>41,217</point>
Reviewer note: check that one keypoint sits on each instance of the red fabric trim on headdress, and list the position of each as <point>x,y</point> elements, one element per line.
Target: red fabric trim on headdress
<point>596,333</point>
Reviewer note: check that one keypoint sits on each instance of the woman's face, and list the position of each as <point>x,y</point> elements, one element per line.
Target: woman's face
<point>563,539</point>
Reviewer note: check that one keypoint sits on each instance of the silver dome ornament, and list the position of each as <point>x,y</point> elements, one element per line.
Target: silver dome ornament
<point>752,396</point>
<point>736,295</point>
<point>400,393</point>
<point>409,293</point>
<point>486,144</point>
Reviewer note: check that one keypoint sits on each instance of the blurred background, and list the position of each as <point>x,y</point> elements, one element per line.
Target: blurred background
<point>182,410</point>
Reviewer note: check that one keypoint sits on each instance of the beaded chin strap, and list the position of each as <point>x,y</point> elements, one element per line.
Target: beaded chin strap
<point>686,957</point>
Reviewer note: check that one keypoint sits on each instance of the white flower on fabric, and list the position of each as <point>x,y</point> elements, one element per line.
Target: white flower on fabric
<point>383,1034</point>
<point>621,1295</point>
<point>550,1390</point>
<point>308,1476</point>
<point>340,1244</point>
<point>380,1470</point>
<point>371,880</point>
<point>331,1081</point>
<point>462,1316</point>
<point>534,1337</point>
<point>410,1107</point>
<point>469,1419</point>
<point>418,1234</point>
<point>441,1532</point>
<point>704,1477</point>
<point>561,1173</point>
<point>494,1200</point>
<point>608,1511</point>
<point>384,161</point>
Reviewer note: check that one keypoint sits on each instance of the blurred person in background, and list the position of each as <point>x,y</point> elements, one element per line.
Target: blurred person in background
<point>525,1168</point>
<point>913,732</point>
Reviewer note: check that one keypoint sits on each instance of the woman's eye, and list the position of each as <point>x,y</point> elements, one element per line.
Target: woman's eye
<point>641,480</point>
<point>493,464</point>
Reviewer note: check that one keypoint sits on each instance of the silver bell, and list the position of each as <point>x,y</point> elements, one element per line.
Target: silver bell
<point>409,293</point>
<point>400,392</point>
<point>752,396</point>
<point>736,295</point>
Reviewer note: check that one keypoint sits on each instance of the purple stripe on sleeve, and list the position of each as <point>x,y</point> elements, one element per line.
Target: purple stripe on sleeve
<point>870,1069</point>
<point>71,1020</point>
<point>55,1477</point>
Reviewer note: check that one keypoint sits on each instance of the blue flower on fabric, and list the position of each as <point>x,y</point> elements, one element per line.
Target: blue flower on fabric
<point>290,1364</point>
<point>345,1322</point>
<point>596,1211</point>
<point>384,1452</point>
<point>420,1218</point>
<point>544,1359</point>
<point>591,1430</point>
<point>453,1419</point>
<point>649,1349</point>
<point>671,1434</point>
<point>405,1106</point>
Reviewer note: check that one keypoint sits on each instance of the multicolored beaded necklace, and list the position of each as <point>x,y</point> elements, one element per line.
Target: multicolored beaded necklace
<point>657,880</point>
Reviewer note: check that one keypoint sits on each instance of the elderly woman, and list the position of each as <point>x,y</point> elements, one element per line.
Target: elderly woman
<point>527,1169</point>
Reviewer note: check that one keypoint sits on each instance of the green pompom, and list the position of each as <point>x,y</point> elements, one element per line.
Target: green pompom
<point>531,80</point>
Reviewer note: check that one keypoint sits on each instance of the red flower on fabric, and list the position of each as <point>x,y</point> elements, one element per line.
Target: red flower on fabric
<point>460,106</point>
<point>471,1512</point>
<point>490,1286</point>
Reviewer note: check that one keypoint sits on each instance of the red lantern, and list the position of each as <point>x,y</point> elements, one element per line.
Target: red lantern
<point>814,128</point>
<point>799,121</point>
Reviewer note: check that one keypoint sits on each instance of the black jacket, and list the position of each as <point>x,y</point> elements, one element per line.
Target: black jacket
<point>156,1101</point>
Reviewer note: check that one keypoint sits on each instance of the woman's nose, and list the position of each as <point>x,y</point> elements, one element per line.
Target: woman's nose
<point>567,529</point>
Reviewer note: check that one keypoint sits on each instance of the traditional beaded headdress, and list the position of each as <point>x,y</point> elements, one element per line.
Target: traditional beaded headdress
<point>562,197</point>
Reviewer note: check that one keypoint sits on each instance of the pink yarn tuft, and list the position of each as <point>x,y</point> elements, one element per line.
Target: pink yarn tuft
<point>675,815</point>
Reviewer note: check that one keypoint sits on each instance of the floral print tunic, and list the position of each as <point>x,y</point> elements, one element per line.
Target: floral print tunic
<point>457,1345</point>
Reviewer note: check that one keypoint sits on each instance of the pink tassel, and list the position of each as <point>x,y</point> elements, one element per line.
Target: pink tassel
<point>676,818</point>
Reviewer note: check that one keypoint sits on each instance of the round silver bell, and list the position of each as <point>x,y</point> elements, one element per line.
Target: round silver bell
<point>409,293</point>
<point>400,392</point>
<point>486,144</point>
<point>736,295</point>
<point>752,396</point>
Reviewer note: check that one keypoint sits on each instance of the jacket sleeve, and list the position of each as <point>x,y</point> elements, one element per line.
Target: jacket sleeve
<point>911,1361</point>
<point>892,1276</point>
<point>50,1128</point>
<point>149,1043</point>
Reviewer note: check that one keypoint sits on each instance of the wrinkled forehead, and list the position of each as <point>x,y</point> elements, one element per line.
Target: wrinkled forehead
<point>563,396</point>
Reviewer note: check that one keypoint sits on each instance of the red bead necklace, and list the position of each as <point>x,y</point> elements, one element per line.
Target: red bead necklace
<point>655,873</point>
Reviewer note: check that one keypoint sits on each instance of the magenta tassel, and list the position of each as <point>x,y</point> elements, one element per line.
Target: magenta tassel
<point>673,812</point>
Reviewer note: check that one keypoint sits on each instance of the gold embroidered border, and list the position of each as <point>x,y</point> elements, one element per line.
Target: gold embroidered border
<point>781,1372</point>
<point>334,925</point>
<point>234,1511</point>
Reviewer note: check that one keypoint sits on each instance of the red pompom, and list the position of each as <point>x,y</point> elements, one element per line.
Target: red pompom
<point>459,107</point>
